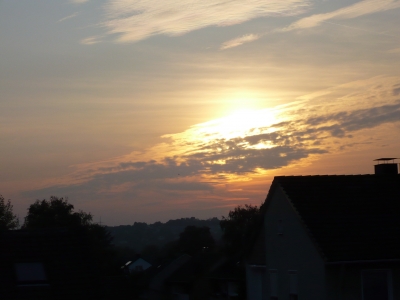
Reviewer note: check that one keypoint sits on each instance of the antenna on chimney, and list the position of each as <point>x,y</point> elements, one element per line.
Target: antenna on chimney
<point>385,167</point>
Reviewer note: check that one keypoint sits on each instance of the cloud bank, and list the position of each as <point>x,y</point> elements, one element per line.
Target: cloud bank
<point>135,20</point>
<point>204,160</point>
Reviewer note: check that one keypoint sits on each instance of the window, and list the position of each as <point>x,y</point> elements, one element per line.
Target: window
<point>273,282</point>
<point>376,285</point>
<point>29,274</point>
<point>280,227</point>
<point>293,291</point>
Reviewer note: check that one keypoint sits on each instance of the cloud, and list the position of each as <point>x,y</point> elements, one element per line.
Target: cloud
<point>394,51</point>
<point>358,9</point>
<point>396,90</point>
<point>239,41</point>
<point>136,20</point>
<point>91,40</point>
<point>346,122</point>
<point>68,17</point>
<point>79,1</point>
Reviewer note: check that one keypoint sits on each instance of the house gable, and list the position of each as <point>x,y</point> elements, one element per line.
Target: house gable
<point>290,251</point>
<point>139,265</point>
<point>326,237</point>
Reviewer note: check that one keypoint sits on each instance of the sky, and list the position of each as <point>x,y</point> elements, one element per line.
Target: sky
<point>148,110</point>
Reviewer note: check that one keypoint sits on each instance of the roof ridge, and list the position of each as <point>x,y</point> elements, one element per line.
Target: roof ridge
<point>325,175</point>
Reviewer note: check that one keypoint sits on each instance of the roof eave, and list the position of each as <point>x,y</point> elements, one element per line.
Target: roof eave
<point>345,262</point>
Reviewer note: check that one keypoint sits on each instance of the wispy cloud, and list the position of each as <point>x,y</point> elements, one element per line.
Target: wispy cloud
<point>91,40</point>
<point>137,20</point>
<point>239,41</point>
<point>394,51</point>
<point>68,17</point>
<point>79,1</point>
<point>358,9</point>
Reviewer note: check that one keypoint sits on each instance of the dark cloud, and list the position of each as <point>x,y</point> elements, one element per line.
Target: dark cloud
<point>141,176</point>
<point>256,139</point>
<point>290,141</point>
<point>234,156</point>
<point>396,90</point>
<point>355,120</point>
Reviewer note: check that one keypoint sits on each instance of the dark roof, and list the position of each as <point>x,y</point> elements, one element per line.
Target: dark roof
<point>197,266</point>
<point>165,272</point>
<point>135,259</point>
<point>350,217</point>
<point>385,158</point>
<point>228,269</point>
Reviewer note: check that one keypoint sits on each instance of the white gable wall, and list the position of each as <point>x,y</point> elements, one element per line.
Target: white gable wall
<point>140,262</point>
<point>293,250</point>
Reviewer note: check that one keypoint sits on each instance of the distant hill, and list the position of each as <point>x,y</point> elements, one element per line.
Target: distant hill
<point>139,235</point>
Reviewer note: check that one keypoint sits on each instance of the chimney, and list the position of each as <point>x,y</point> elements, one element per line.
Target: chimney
<point>385,167</point>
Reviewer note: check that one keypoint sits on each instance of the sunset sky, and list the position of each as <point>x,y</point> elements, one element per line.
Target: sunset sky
<point>149,110</point>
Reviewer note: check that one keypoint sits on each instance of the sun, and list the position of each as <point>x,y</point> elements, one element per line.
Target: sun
<point>240,123</point>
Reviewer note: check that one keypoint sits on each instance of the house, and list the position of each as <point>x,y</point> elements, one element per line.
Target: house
<point>191,280</point>
<point>137,265</point>
<point>154,285</point>
<point>183,277</point>
<point>329,237</point>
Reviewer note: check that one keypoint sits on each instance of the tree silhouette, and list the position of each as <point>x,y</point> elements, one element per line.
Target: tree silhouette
<point>194,239</point>
<point>59,213</point>
<point>56,212</point>
<point>7,218</point>
<point>240,227</point>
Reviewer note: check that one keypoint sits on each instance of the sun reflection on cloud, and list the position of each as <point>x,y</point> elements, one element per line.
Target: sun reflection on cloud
<point>241,123</point>
<point>251,142</point>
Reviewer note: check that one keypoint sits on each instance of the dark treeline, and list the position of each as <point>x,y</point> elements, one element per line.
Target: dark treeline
<point>69,245</point>
<point>142,236</point>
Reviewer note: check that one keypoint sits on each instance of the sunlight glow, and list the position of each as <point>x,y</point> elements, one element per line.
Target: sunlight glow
<point>240,124</point>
